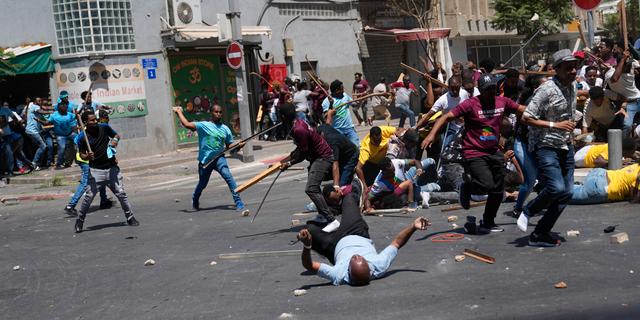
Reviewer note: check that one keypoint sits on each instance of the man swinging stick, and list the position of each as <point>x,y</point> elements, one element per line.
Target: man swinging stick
<point>213,137</point>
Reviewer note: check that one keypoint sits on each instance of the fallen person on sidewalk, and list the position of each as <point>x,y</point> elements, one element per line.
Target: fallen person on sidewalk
<point>350,249</point>
<point>602,186</point>
<point>597,156</point>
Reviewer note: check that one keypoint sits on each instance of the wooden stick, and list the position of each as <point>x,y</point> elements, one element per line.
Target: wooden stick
<point>235,146</point>
<point>458,207</point>
<point>311,67</point>
<point>542,73</point>
<point>269,171</point>
<point>434,80</point>
<point>360,99</point>
<point>582,37</point>
<point>86,139</point>
<point>242,255</point>
<point>318,83</point>
<point>623,22</point>
<point>261,78</point>
<point>479,256</point>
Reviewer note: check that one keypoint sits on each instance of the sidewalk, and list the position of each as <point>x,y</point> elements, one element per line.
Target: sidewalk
<point>265,152</point>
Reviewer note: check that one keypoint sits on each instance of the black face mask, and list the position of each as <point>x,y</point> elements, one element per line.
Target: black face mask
<point>338,95</point>
<point>93,130</point>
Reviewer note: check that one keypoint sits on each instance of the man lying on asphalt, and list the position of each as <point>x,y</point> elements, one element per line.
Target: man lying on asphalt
<point>349,248</point>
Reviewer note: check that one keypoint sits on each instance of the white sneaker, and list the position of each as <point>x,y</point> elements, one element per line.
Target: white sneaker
<point>425,199</point>
<point>331,227</point>
<point>523,222</point>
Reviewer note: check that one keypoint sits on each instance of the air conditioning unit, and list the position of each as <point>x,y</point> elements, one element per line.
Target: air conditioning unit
<point>185,12</point>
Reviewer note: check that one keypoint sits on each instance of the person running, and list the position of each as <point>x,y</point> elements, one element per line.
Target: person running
<point>213,137</point>
<point>360,88</point>
<point>550,116</point>
<point>483,162</point>
<point>103,166</point>
<point>34,129</point>
<point>404,89</point>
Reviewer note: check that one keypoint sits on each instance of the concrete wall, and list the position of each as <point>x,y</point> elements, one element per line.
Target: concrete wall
<point>26,21</point>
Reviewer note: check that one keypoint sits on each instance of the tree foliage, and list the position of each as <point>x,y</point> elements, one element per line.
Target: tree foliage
<point>515,15</point>
<point>6,67</point>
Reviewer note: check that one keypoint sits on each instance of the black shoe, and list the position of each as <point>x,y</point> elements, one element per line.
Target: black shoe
<point>470,226</point>
<point>465,196</point>
<point>543,240</point>
<point>195,204</point>
<point>71,211</point>
<point>132,221</point>
<point>490,227</point>
<point>106,205</point>
<point>79,224</point>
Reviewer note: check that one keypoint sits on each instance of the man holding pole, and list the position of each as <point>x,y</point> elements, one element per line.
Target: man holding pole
<point>342,119</point>
<point>95,145</point>
<point>213,138</point>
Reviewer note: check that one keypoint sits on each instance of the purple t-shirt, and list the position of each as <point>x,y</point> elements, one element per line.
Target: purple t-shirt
<point>310,144</point>
<point>482,125</point>
<point>360,86</point>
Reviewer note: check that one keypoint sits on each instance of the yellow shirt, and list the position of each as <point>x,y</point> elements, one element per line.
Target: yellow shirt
<point>595,151</point>
<point>369,152</point>
<point>622,182</point>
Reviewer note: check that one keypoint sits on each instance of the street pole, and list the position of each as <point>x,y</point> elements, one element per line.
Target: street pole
<point>590,29</point>
<point>241,84</point>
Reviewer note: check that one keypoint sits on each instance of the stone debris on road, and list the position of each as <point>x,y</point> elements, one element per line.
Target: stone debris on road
<point>213,263</point>
<point>560,285</point>
<point>619,237</point>
<point>299,292</point>
<point>16,268</point>
<point>452,218</point>
<point>460,257</point>
<point>573,233</point>
<point>245,213</point>
<point>150,262</point>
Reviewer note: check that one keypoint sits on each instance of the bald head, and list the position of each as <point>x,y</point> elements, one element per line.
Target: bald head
<point>359,271</point>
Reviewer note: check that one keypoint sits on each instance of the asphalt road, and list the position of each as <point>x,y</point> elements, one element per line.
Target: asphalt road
<point>100,274</point>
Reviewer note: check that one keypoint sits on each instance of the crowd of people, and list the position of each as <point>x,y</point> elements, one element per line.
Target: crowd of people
<point>492,135</point>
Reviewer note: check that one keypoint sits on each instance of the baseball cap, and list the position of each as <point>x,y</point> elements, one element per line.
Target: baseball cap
<point>561,56</point>
<point>486,81</point>
<point>64,94</point>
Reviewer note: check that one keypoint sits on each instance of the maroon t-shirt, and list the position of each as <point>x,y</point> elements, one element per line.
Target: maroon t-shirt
<point>360,86</point>
<point>310,144</point>
<point>482,125</point>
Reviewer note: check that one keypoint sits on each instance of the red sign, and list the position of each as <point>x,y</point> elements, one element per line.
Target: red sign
<point>274,72</point>
<point>234,55</point>
<point>587,4</point>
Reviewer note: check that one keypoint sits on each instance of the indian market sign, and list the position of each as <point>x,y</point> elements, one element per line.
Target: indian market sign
<point>119,86</point>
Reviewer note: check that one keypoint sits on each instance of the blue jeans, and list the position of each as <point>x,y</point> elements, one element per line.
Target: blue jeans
<point>449,134</point>
<point>84,181</point>
<point>42,146</point>
<point>48,140</point>
<point>411,174</point>
<point>222,168</point>
<point>529,171</point>
<point>348,169</point>
<point>62,145</point>
<point>593,190</point>
<point>406,111</point>
<point>555,171</point>
<point>351,134</point>
<point>632,109</point>
<point>6,154</point>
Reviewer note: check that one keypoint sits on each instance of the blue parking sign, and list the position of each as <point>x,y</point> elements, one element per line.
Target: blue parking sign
<point>149,63</point>
<point>151,73</point>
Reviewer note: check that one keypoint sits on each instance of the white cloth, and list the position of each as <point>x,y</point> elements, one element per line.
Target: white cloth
<point>379,100</point>
<point>300,99</point>
<point>625,86</point>
<point>580,156</point>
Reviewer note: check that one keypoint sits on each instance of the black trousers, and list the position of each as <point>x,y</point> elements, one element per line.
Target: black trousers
<point>486,176</point>
<point>352,224</point>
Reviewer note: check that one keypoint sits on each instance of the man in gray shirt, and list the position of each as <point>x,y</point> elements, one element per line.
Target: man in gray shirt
<point>550,115</point>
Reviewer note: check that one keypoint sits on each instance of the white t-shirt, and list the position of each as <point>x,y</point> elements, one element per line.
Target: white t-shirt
<point>300,100</point>
<point>447,102</point>
<point>379,100</point>
<point>625,86</point>
<point>580,156</point>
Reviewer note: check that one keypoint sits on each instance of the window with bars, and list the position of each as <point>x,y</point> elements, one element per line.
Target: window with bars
<point>93,26</point>
<point>314,10</point>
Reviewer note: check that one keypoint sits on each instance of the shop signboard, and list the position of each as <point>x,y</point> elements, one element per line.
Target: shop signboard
<point>120,86</point>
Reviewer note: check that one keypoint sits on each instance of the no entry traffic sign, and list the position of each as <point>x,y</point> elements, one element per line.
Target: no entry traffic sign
<point>587,4</point>
<point>234,55</point>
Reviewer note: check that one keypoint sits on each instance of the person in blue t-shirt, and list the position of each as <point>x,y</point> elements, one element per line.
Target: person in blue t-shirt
<point>64,126</point>
<point>64,98</point>
<point>342,118</point>
<point>213,137</point>
<point>34,129</point>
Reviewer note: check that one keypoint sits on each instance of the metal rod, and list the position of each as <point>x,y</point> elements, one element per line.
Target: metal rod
<point>523,46</point>
<point>265,196</point>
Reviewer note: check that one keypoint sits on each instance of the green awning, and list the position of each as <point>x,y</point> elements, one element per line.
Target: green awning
<point>28,60</point>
